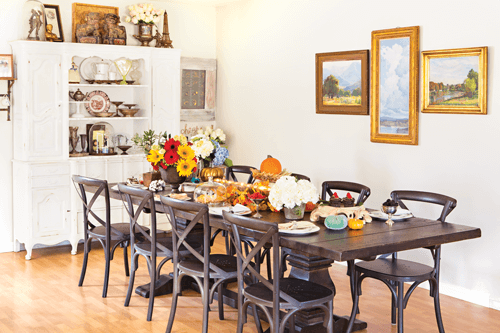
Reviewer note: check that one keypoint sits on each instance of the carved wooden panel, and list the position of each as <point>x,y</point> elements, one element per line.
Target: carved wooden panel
<point>45,120</point>
<point>51,211</point>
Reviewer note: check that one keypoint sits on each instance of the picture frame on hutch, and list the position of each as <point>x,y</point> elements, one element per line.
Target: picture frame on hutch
<point>342,82</point>
<point>394,85</point>
<point>455,81</point>
<point>6,67</point>
<point>53,17</point>
<point>80,12</point>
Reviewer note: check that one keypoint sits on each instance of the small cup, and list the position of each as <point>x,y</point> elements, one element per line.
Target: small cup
<point>113,76</point>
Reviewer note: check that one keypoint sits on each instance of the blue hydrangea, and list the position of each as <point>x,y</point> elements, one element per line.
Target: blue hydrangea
<point>221,154</point>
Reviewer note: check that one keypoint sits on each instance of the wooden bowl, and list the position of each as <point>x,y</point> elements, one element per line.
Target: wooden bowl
<point>103,114</point>
<point>128,112</point>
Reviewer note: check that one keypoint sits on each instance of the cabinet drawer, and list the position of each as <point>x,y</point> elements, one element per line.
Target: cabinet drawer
<point>50,181</point>
<point>49,170</point>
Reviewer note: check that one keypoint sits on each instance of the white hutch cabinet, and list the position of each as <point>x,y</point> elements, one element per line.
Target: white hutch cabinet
<point>47,209</point>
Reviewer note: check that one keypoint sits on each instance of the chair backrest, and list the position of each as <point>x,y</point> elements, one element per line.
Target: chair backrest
<point>447,202</point>
<point>180,235</point>
<point>299,176</point>
<point>81,183</point>
<point>143,199</point>
<point>363,191</point>
<point>271,234</point>
<point>244,169</point>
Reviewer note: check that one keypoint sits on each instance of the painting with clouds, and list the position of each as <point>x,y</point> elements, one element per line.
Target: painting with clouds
<point>394,85</point>
<point>394,90</point>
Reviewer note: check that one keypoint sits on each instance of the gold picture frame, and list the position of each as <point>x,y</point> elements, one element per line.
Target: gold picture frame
<point>394,114</point>
<point>455,81</point>
<point>349,72</point>
<point>6,67</point>
<point>81,9</point>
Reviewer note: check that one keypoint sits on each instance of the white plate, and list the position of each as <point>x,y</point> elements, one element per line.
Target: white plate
<point>218,211</point>
<point>400,214</point>
<point>188,187</point>
<point>298,228</point>
<point>86,68</point>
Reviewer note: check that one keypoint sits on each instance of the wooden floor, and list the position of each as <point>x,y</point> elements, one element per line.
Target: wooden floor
<point>42,295</point>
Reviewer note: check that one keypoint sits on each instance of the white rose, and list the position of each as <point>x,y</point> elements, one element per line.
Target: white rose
<point>200,131</point>
<point>222,138</point>
<point>219,132</point>
<point>135,20</point>
<point>161,151</point>
<point>208,130</point>
<point>128,19</point>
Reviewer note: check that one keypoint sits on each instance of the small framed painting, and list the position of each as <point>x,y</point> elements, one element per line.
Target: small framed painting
<point>394,86</point>
<point>6,67</point>
<point>455,80</point>
<point>53,17</point>
<point>342,82</point>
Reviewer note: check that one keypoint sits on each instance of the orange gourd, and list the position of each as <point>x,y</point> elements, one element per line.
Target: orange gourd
<point>355,224</point>
<point>270,165</point>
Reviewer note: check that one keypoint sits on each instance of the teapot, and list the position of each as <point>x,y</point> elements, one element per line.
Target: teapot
<point>77,95</point>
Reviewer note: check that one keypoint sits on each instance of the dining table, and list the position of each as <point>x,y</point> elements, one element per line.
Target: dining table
<point>312,254</point>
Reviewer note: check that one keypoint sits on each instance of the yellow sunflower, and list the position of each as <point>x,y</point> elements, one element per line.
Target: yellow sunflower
<point>185,152</point>
<point>154,156</point>
<point>185,167</point>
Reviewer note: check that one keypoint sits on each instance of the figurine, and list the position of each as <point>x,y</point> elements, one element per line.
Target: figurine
<point>49,35</point>
<point>89,31</point>
<point>35,23</point>
<point>113,33</point>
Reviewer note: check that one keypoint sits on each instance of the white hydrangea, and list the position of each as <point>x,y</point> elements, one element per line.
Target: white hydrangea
<point>288,192</point>
<point>202,148</point>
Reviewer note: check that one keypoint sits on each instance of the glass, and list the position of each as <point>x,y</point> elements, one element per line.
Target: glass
<point>123,65</point>
<point>211,193</point>
<point>295,213</point>
<point>33,20</point>
<point>101,136</point>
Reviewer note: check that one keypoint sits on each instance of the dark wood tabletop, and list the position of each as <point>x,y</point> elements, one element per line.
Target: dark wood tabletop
<point>374,239</point>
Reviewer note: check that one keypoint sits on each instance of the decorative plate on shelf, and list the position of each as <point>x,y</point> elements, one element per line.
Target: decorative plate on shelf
<point>85,68</point>
<point>97,101</point>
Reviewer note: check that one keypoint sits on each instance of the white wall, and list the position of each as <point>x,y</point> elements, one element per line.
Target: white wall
<point>191,27</point>
<point>266,103</point>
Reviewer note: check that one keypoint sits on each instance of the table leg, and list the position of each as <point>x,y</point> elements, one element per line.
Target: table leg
<point>315,269</point>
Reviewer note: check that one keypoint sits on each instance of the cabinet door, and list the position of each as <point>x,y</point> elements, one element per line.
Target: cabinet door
<point>45,106</point>
<point>50,212</point>
<point>166,94</point>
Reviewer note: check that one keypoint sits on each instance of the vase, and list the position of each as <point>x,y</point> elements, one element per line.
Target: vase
<point>295,213</point>
<point>171,176</point>
<point>145,35</point>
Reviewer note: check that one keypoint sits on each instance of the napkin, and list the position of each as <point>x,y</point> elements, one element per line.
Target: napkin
<point>239,208</point>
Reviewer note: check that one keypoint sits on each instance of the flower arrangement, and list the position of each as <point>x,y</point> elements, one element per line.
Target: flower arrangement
<point>207,146</point>
<point>143,13</point>
<point>289,193</point>
<point>164,150</point>
<point>243,195</point>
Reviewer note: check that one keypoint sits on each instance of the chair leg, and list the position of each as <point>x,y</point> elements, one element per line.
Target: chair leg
<point>437,308</point>
<point>85,261</point>
<point>354,303</point>
<point>291,327</point>
<point>393,308</point>
<point>257,319</point>
<point>135,263</point>
<point>152,285</point>
<point>125,258</point>
<point>220,301</point>
<point>175,296</point>
<point>269,266</point>
<point>206,306</point>
<point>401,295</point>
<point>106,271</point>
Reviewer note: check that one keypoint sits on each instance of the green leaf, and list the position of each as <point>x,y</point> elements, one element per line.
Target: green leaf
<point>228,162</point>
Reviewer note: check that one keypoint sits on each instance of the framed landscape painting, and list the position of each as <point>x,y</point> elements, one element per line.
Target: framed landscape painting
<point>455,81</point>
<point>394,86</point>
<point>342,82</point>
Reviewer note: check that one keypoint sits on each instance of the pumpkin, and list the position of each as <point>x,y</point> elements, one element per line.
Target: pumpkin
<point>270,165</point>
<point>355,223</point>
<point>215,173</point>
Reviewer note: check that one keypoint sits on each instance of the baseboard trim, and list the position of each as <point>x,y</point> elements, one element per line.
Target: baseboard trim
<point>472,296</point>
<point>6,247</point>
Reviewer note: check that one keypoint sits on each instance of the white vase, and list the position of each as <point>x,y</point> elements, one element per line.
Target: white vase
<point>295,213</point>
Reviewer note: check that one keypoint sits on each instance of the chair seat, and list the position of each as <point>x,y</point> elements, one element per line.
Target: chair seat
<point>395,269</point>
<point>301,290</point>
<point>100,232</point>
<point>225,262</point>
